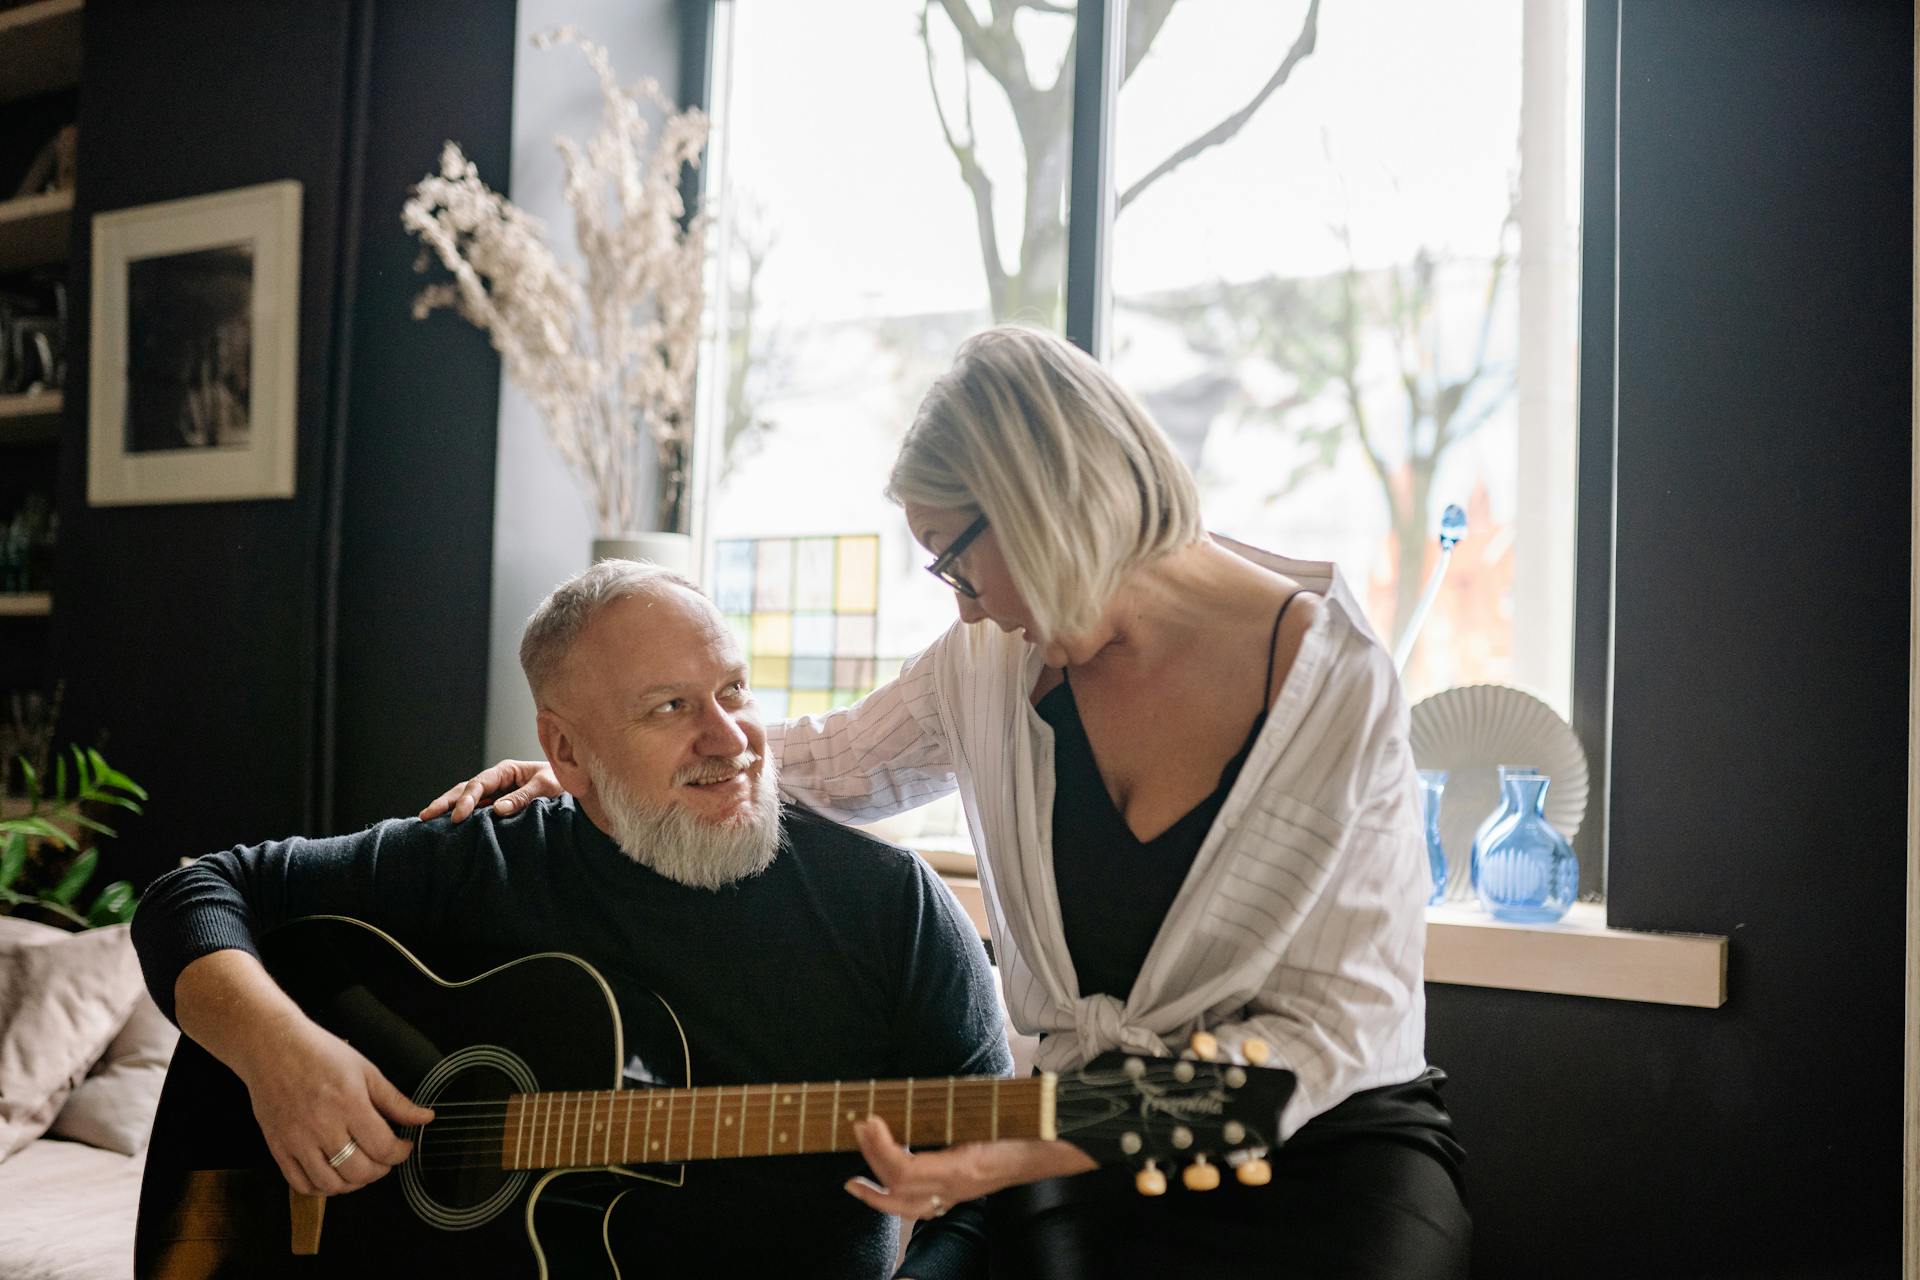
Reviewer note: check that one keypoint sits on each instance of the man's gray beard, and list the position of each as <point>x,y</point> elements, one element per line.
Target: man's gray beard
<point>685,847</point>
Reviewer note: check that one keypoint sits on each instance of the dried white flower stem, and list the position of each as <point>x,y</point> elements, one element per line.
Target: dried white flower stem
<point>607,357</point>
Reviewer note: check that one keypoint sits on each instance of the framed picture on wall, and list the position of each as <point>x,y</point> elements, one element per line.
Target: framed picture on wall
<point>195,345</point>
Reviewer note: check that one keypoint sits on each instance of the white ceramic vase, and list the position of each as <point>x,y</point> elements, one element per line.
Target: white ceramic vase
<point>668,550</point>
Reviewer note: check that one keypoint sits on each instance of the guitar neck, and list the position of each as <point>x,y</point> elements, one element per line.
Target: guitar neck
<point>727,1122</point>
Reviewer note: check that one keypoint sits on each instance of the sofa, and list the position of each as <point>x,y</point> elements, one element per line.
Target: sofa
<point>83,1054</point>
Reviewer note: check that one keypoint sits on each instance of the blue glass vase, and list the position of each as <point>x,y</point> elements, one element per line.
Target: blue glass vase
<point>1500,814</point>
<point>1528,873</point>
<point>1433,785</point>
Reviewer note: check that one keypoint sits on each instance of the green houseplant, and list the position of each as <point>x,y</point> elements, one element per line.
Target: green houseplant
<point>51,843</point>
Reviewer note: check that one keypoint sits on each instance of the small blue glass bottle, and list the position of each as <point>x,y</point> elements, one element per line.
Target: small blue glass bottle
<point>1501,813</point>
<point>1433,785</point>
<point>1528,873</point>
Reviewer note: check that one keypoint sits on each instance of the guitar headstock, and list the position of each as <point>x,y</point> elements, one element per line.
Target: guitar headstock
<point>1192,1111</point>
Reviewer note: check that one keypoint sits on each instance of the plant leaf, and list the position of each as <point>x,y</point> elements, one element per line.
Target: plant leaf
<point>75,880</point>
<point>38,826</point>
<point>32,776</point>
<point>124,783</point>
<point>60,777</point>
<point>91,824</point>
<point>83,770</point>
<point>13,856</point>
<point>114,905</point>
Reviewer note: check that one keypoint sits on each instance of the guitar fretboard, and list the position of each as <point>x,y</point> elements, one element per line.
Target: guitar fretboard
<point>722,1122</point>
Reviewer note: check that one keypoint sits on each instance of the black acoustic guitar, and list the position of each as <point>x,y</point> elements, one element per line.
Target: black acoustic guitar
<point>540,1136</point>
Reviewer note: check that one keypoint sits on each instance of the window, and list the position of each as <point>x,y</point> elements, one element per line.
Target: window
<point>857,254</point>
<point>1343,274</point>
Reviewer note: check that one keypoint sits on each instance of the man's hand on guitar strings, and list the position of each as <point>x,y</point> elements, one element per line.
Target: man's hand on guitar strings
<point>313,1093</point>
<point>928,1184</point>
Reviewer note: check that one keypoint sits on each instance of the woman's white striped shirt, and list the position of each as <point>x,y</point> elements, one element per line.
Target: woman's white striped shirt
<point>1302,920</point>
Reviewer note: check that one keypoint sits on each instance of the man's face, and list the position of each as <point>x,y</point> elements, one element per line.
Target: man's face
<point>655,697</point>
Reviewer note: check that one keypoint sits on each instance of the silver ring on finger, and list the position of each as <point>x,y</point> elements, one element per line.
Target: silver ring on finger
<point>936,1206</point>
<point>341,1156</point>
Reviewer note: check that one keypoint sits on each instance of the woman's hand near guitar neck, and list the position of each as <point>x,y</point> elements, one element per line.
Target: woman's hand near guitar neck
<point>533,780</point>
<point>927,1184</point>
<point>313,1094</point>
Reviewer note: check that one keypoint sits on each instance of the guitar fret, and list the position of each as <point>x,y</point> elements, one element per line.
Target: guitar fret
<point>773,1111</point>
<point>800,1133</point>
<point>646,1143</point>
<point>833,1136</point>
<point>745,1092</point>
<point>520,1129</point>
<point>716,1123</point>
<point>669,1147</point>
<point>949,1110</point>
<point>907,1141</point>
<point>993,1131</point>
<point>573,1148</point>
<point>871,1086</point>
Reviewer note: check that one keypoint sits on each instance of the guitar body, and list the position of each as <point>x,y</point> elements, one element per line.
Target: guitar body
<point>214,1203</point>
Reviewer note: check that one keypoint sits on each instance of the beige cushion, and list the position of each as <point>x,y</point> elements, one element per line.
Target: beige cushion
<point>62,1000</point>
<point>113,1107</point>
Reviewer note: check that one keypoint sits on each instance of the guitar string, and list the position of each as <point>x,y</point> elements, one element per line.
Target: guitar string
<point>572,1115</point>
<point>439,1135</point>
<point>564,1131</point>
<point>492,1115</point>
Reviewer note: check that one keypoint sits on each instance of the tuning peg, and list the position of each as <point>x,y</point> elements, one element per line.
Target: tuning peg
<point>1254,1173</point>
<point>1256,1051</point>
<point>1200,1176</point>
<point>1204,1046</point>
<point>1150,1181</point>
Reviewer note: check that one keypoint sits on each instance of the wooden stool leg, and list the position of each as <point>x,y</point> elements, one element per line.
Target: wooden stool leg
<point>306,1211</point>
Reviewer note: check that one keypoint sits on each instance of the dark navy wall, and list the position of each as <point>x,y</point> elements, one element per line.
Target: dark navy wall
<point>263,666</point>
<point>1760,674</point>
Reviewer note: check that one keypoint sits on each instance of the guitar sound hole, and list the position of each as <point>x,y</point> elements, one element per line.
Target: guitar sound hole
<point>460,1152</point>
<point>456,1177</point>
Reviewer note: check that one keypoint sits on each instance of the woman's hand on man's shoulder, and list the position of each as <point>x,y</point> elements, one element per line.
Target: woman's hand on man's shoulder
<point>521,781</point>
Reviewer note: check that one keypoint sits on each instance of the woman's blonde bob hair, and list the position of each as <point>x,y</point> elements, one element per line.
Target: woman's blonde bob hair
<point>1077,483</point>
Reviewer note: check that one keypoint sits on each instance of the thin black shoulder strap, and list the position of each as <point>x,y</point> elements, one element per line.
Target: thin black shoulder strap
<point>1274,639</point>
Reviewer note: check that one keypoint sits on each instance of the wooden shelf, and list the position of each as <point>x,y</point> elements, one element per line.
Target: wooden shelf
<point>33,230</point>
<point>30,604</point>
<point>39,48</point>
<point>31,419</point>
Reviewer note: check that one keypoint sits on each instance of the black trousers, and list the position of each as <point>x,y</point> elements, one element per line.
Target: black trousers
<point>1369,1190</point>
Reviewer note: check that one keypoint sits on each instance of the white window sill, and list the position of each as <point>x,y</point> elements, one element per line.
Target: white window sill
<point>1578,956</point>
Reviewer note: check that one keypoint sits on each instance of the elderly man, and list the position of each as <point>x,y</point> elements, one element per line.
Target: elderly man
<point>790,948</point>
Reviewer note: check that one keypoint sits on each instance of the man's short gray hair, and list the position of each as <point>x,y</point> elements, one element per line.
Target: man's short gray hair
<point>564,616</point>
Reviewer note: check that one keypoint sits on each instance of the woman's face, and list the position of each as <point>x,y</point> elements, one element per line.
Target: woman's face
<point>980,563</point>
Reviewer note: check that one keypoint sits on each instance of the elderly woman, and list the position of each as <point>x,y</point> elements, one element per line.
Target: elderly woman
<point>1184,763</point>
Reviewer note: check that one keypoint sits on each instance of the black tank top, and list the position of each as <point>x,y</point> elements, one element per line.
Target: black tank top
<point>1115,889</point>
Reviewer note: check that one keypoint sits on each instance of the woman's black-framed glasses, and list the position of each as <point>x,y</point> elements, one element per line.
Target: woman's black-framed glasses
<point>942,566</point>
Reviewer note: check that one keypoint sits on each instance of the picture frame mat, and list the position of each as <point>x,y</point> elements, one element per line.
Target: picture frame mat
<point>267,217</point>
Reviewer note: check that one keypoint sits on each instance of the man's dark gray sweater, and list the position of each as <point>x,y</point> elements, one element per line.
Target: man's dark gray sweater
<point>845,959</point>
